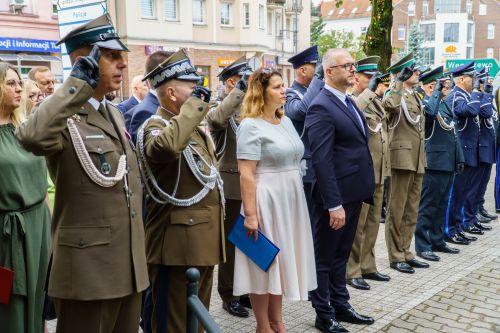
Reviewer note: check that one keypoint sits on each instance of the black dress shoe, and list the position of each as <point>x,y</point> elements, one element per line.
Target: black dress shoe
<point>377,276</point>
<point>485,213</point>
<point>329,326</point>
<point>245,301</point>
<point>474,231</point>
<point>467,237</point>
<point>445,248</point>
<point>483,219</point>
<point>402,267</point>
<point>482,226</point>
<point>457,239</point>
<point>351,316</point>
<point>417,264</point>
<point>428,255</point>
<point>358,283</point>
<point>235,308</point>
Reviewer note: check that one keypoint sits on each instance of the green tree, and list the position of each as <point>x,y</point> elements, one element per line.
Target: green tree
<point>415,40</point>
<point>317,28</point>
<point>378,36</point>
<point>340,39</point>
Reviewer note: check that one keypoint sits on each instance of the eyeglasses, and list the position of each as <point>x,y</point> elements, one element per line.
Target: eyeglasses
<point>13,83</point>
<point>35,97</point>
<point>346,67</point>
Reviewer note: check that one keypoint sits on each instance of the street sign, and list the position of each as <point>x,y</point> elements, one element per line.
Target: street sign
<point>63,4</point>
<point>490,63</point>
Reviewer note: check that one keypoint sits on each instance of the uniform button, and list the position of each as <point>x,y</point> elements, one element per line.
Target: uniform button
<point>72,90</point>
<point>191,221</point>
<point>200,108</point>
<point>132,214</point>
<point>81,243</point>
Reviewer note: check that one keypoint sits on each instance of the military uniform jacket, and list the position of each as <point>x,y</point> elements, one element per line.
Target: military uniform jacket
<point>378,141</point>
<point>487,149</point>
<point>443,150</point>
<point>219,122</point>
<point>298,99</point>
<point>176,235</point>
<point>406,140</point>
<point>97,232</point>
<point>466,107</point>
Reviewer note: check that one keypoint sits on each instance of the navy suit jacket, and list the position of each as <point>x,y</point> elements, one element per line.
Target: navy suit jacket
<point>140,113</point>
<point>343,166</point>
<point>127,104</point>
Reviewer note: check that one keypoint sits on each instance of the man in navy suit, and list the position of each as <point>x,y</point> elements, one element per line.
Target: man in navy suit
<point>148,106</point>
<point>139,91</point>
<point>344,179</point>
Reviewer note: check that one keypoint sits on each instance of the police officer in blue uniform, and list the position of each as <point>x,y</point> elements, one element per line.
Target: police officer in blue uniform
<point>444,158</point>
<point>308,82</point>
<point>465,102</point>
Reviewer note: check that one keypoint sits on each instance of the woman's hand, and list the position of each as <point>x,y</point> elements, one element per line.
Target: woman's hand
<point>252,226</point>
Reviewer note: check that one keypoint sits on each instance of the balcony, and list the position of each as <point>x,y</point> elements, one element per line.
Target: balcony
<point>275,4</point>
<point>293,6</point>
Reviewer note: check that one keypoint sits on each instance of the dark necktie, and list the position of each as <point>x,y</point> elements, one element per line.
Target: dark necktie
<point>353,111</point>
<point>104,112</point>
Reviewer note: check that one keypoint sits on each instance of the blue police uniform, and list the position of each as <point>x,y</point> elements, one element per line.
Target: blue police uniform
<point>443,153</point>
<point>496,108</point>
<point>466,107</point>
<point>298,99</point>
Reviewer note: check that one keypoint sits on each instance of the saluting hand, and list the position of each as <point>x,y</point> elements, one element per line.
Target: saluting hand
<point>242,84</point>
<point>318,70</point>
<point>405,74</point>
<point>202,93</point>
<point>86,68</point>
<point>374,81</point>
<point>488,87</point>
<point>460,167</point>
<point>337,218</point>
<point>252,226</point>
<point>476,86</point>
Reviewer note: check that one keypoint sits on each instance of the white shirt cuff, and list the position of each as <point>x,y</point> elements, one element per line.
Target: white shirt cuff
<point>334,208</point>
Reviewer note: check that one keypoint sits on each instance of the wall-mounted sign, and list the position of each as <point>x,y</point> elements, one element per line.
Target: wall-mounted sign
<point>223,62</point>
<point>490,64</point>
<point>148,49</point>
<point>450,49</point>
<point>29,45</point>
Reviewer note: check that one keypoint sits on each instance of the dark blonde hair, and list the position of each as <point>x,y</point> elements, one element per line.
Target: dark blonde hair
<point>18,115</point>
<point>253,103</point>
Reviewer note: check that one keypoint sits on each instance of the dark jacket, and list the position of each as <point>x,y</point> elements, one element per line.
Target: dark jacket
<point>127,104</point>
<point>140,113</point>
<point>487,130</point>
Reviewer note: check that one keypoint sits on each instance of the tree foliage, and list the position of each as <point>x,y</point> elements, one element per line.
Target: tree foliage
<point>340,39</point>
<point>317,28</point>
<point>415,40</point>
<point>378,36</point>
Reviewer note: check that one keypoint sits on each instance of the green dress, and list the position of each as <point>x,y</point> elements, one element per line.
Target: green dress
<point>24,233</point>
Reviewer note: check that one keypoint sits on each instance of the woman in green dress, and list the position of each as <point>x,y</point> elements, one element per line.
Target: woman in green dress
<point>24,215</point>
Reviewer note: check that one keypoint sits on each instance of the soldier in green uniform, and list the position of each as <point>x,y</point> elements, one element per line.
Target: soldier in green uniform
<point>367,93</point>
<point>98,266</point>
<point>223,122</point>
<point>184,226</point>
<point>406,124</point>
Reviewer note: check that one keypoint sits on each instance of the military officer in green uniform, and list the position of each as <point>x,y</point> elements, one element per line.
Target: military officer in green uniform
<point>367,93</point>
<point>184,226</point>
<point>223,122</point>
<point>98,266</point>
<point>406,124</point>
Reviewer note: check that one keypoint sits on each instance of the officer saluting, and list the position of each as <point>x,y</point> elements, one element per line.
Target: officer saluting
<point>308,82</point>
<point>223,123</point>
<point>367,93</point>
<point>98,262</point>
<point>444,158</point>
<point>184,226</point>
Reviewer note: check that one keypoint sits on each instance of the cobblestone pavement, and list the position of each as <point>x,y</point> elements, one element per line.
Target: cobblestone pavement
<point>460,293</point>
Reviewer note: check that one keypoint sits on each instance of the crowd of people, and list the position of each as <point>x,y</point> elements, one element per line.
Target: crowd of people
<point>152,186</point>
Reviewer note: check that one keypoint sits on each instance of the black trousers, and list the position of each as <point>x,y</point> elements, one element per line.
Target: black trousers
<point>429,232</point>
<point>332,249</point>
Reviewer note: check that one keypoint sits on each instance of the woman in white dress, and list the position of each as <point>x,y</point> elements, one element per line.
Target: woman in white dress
<point>269,153</point>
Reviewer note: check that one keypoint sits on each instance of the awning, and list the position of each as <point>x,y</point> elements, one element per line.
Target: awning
<point>29,57</point>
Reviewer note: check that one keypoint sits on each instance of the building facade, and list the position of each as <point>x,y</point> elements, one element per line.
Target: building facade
<point>214,32</point>
<point>28,34</point>
<point>350,16</point>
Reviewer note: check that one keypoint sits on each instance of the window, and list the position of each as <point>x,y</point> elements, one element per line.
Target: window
<point>294,31</point>
<point>246,14</point>
<point>225,13</point>
<point>354,10</point>
<point>428,32</point>
<point>261,16</point>
<point>451,32</point>
<point>468,7</point>
<point>148,9</point>
<point>269,23</point>
<point>428,55</point>
<point>288,28</point>
<point>491,31</point>
<point>468,53</point>
<point>330,12</point>
<point>411,8</point>
<point>490,52</point>
<point>470,32</point>
<point>447,6</point>
<point>482,9</point>
<point>278,25</point>
<point>401,32</point>
<point>425,8</point>
<point>369,8</point>
<point>170,10</point>
<point>198,11</point>
<point>363,30</point>
<point>341,11</point>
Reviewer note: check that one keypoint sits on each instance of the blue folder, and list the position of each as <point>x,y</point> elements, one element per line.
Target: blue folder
<point>261,251</point>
